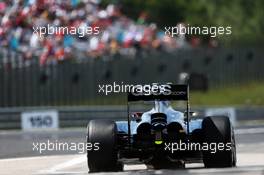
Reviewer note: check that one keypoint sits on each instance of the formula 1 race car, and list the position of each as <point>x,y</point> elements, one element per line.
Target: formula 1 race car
<point>162,137</point>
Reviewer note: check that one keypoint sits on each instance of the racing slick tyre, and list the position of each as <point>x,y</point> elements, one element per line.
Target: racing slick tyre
<point>103,132</point>
<point>218,131</point>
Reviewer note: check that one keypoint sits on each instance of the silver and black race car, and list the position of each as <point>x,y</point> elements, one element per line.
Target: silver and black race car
<point>162,137</point>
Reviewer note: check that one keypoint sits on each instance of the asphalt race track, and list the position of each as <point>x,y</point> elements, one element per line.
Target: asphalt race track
<point>17,155</point>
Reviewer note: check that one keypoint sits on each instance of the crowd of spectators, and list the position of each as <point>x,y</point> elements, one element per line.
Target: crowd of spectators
<point>118,33</point>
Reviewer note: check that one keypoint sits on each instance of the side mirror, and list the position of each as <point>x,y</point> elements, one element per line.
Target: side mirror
<point>191,114</point>
<point>137,116</point>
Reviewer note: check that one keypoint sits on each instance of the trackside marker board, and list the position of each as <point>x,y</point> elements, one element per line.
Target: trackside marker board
<point>33,120</point>
<point>229,112</point>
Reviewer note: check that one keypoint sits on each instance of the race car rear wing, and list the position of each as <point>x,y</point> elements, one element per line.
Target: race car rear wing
<point>167,92</point>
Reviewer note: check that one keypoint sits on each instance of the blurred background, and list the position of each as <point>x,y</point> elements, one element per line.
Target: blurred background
<point>64,71</point>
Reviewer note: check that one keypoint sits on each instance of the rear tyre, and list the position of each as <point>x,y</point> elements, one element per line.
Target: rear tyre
<point>103,132</point>
<point>219,131</point>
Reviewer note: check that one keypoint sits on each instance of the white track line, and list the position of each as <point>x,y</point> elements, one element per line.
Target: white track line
<point>249,131</point>
<point>27,158</point>
<point>70,163</point>
<point>250,159</point>
<point>247,145</point>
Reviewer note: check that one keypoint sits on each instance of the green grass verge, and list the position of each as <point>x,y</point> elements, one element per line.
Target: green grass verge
<point>247,94</point>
